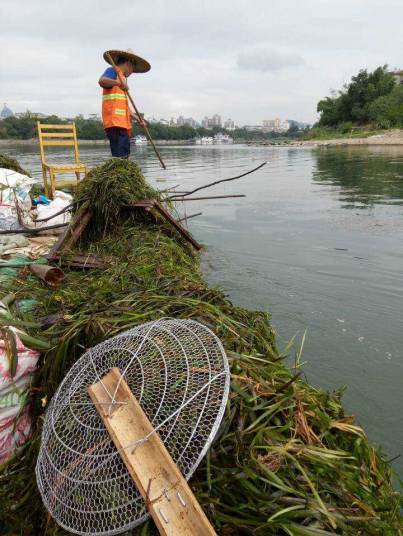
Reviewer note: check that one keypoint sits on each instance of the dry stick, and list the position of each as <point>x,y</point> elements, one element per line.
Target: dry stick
<point>180,199</point>
<point>218,182</point>
<point>190,216</point>
<point>169,189</point>
<point>141,121</point>
<point>31,231</point>
<point>21,220</point>
<point>65,209</point>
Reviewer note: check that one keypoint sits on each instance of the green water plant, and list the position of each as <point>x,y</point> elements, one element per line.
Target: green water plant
<point>286,460</point>
<point>8,162</point>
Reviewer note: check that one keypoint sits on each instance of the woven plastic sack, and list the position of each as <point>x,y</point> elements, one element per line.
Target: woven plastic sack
<point>15,423</point>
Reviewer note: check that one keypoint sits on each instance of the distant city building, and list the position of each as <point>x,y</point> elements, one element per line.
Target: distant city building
<point>210,122</point>
<point>6,112</point>
<point>271,124</point>
<point>205,122</point>
<point>275,125</point>
<point>251,128</point>
<point>31,115</point>
<point>95,117</point>
<point>215,121</point>
<point>189,121</point>
<point>160,121</point>
<point>398,76</point>
<point>229,124</point>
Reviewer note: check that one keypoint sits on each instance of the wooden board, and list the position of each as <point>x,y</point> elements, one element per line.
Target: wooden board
<point>73,232</point>
<point>153,204</point>
<point>165,491</point>
<point>79,261</point>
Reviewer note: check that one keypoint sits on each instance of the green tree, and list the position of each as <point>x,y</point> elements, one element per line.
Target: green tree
<point>353,102</point>
<point>387,111</point>
<point>89,129</point>
<point>22,128</point>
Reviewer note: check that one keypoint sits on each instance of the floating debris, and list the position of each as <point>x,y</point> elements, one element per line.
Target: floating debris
<point>286,460</point>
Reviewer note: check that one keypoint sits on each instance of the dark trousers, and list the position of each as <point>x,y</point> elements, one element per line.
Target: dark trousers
<point>119,141</point>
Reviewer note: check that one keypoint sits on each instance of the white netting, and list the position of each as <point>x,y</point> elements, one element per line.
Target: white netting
<point>178,371</point>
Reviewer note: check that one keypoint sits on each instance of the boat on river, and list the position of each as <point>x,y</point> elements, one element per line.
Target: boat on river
<point>221,138</point>
<point>139,140</point>
<point>204,140</point>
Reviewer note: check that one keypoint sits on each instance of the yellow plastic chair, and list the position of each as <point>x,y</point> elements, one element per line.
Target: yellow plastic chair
<point>59,135</point>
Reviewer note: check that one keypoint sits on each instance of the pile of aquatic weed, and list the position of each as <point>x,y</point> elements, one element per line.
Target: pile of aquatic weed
<point>109,189</point>
<point>286,461</point>
<point>8,162</point>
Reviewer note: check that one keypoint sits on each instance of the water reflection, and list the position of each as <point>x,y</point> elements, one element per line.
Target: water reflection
<point>291,248</point>
<point>366,176</point>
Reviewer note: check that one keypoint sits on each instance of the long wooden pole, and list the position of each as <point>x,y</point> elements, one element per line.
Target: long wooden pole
<point>141,121</point>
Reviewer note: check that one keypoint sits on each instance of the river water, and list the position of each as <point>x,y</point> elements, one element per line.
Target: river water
<point>318,242</point>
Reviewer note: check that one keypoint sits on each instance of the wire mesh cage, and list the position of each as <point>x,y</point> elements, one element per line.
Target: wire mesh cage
<point>178,371</point>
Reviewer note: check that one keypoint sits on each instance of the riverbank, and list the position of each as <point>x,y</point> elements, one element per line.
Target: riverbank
<point>34,141</point>
<point>389,137</point>
<point>286,452</point>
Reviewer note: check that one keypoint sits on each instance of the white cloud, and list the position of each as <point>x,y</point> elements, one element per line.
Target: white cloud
<point>266,59</point>
<point>245,59</point>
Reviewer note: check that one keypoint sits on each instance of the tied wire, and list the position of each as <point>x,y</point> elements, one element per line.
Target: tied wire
<point>133,445</point>
<point>178,372</point>
<point>154,430</point>
<point>145,337</point>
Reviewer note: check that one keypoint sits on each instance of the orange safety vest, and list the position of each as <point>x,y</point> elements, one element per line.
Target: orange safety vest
<point>115,109</point>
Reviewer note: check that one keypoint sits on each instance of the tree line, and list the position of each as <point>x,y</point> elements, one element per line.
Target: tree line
<point>92,129</point>
<point>369,98</point>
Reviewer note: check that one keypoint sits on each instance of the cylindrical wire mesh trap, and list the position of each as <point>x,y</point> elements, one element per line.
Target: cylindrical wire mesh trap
<point>178,371</point>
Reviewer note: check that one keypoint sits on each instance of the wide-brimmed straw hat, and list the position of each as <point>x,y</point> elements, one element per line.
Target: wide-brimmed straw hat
<point>140,65</point>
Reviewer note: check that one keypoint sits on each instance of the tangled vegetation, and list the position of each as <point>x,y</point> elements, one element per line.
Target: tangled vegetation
<point>8,162</point>
<point>370,98</point>
<point>109,189</point>
<point>286,461</point>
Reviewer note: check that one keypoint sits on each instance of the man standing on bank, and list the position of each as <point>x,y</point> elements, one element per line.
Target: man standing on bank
<point>116,113</point>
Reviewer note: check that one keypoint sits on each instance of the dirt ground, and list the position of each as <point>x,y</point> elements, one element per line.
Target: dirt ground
<point>390,137</point>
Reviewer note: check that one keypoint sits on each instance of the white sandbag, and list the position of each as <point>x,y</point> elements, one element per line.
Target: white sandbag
<point>14,187</point>
<point>15,422</point>
<point>11,181</point>
<point>61,200</point>
<point>14,432</point>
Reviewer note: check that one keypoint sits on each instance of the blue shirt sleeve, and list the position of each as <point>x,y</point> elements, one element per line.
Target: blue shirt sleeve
<point>110,73</point>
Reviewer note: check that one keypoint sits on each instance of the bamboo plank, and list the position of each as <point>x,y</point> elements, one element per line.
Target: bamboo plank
<point>44,142</point>
<point>184,232</point>
<point>79,261</point>
<point>57,135</point>
<point>150,204</point>
<point>68,168</point>
<point>73,232</point>
<point>168,496</point>
<point>68,126</point>
<point>76,230</point>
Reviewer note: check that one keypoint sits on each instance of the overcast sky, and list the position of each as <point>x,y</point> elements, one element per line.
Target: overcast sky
<point>245,59</point>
